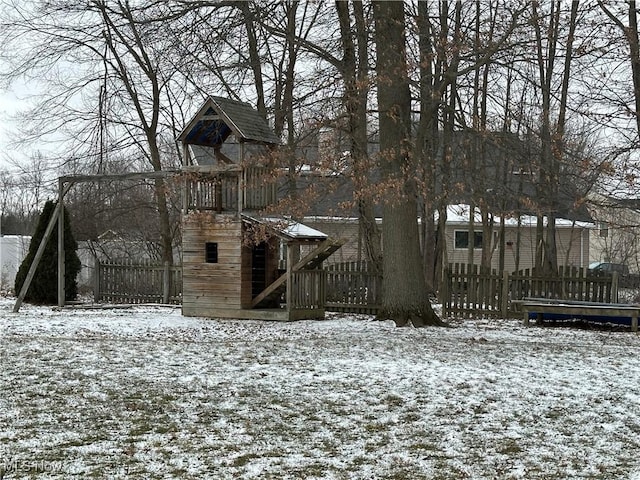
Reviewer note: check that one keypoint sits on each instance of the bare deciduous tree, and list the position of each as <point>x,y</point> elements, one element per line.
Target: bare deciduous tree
<point>109,73</point>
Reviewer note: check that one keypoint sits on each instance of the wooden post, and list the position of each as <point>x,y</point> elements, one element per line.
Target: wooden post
<point>218,194</point>
<point>634,322</point>
<point>241,190</point>
<point>186,182</point>
<point>505,294</point>
<point>241,180</point>
<point>166,279</point>
<point>291,261</point>
<point>444,291</point>
<point>96,280</point>
<point>61,252</point>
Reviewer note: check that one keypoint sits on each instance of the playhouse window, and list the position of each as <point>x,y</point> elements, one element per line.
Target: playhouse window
<point>211,252</point>
<point>461,239</point>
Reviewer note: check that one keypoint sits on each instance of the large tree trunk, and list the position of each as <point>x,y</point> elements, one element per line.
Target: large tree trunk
<point>405,298</point>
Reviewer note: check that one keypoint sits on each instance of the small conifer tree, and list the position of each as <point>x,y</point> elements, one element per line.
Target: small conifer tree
<point>44,286</point>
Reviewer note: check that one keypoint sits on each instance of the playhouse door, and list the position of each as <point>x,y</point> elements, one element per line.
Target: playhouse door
<point>258,269</point>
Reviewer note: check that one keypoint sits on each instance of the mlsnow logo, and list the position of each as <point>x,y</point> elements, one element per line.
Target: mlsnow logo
<point>17,465</point>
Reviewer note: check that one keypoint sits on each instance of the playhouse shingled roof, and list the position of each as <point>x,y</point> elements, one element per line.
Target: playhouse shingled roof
<point>219,117</point>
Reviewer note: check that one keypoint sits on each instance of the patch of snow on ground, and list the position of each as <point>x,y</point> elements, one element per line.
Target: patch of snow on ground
<point>145,393</point>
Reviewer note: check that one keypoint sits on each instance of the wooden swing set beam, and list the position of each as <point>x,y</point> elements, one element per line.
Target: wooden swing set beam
<point>64,185</point>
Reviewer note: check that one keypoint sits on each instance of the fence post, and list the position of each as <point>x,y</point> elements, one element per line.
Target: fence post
<point>614,287</point>
<point>505,293</point>
<point>444,291</point>
<point>96,286</point>
<point>166,280</point>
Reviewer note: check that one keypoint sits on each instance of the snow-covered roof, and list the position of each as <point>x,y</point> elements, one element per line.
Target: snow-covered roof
<point>289,228</point>
<point>459,214</point>
<point>299,230</point>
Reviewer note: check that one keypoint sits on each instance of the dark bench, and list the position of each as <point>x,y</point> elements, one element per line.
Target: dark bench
<point>619,313</point>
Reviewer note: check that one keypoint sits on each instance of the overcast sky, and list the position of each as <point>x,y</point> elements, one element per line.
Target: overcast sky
<point>7,104</point>
<point>10,104</point>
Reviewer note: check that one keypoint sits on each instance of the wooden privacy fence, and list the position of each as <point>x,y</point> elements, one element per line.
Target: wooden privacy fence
<point>572,283</point>
<point>343,287</point>
<point>309,291</point>
<point>139,282</point>
<point>353,288</point>
<point>468,290</point>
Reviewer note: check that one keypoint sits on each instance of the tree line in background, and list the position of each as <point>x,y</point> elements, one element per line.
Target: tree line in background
<point>563,78</point>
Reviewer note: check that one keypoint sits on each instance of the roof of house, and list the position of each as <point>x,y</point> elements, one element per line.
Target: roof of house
<point>503,176</point>
<point>220,117</point>
<point>459,215</point>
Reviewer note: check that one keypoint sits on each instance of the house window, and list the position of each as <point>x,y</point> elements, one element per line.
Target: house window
<point>604,230</point>
<point>211,252</point>
<point>461,239</point>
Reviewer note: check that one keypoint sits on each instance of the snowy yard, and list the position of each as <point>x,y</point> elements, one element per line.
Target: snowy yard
<point>144,393</point>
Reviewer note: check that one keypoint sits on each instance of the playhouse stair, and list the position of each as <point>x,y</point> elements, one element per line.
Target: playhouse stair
<point>309,262</point>
<point>320,254</point>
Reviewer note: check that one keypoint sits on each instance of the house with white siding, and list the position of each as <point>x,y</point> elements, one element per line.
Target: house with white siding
<point>13,250</point>
<point>572,239</point>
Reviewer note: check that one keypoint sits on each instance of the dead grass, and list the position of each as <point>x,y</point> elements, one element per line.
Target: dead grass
<point>345,399</point>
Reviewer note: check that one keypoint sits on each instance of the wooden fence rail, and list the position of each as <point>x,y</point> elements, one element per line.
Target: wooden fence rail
<point>140,282</point>
<point>470,291</point>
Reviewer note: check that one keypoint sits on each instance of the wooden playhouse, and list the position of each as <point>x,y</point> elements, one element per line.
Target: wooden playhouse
<point>237,263</point>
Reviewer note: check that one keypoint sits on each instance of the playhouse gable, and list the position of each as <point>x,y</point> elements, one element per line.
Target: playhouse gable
<point>220,117</point>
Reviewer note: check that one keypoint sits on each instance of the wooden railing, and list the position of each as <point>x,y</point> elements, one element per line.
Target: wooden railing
<point>308,289</point>
<point>259,188</point>
<point>213,193</point>
<point>218,190</point>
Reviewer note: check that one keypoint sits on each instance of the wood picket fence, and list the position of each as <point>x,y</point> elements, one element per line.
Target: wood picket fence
<point>468,290</point>
<point>125,281</point>
<point>352,287</point>
<point>347,287</point>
